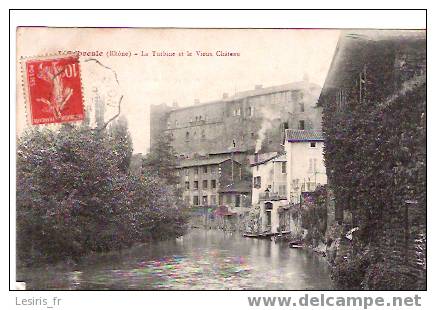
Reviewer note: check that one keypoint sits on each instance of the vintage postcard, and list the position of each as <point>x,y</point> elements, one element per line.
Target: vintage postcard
<point>221,159</point>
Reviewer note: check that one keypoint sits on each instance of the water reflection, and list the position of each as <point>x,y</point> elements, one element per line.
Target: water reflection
<point>199,260</point>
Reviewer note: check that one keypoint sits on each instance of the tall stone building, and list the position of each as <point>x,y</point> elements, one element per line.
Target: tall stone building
<point>247,122</point>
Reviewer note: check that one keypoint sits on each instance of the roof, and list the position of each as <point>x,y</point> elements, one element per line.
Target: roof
<point>295,135</point>
<point>240,187</point>
<point>275,158</point>
<point>228,151</point>
<point>203,162</point>
<point>223,211</point>
<point>273,89</point>
<point>254,92</point>
<point>353,44</point>
<point>280,158</point>
<point>262,158</point>
<point>196,105</point>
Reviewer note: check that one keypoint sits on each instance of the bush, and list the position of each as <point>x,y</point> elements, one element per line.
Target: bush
<point>348,273</point>
<point>389,276</point>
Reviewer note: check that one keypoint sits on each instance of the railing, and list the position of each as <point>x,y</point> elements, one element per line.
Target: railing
<point>271,196</point>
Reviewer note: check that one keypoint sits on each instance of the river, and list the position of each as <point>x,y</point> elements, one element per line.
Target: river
<point>199,260</point>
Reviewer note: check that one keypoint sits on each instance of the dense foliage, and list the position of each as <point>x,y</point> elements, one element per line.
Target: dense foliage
<point>75,196</point>
<point>161,160</point>
<point>375,156</point>
<point>314,215</point>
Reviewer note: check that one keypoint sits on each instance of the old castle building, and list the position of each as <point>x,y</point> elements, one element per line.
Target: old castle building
<point>246,122</point>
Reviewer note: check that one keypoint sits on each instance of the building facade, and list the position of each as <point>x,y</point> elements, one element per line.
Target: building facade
<point>240,122</point>
<point>210,182</point>
<point>269,176</point>
<point>305,162</point>
<point>269,172</point>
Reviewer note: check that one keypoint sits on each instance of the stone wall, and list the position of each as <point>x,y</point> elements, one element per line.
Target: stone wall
<point>240,121</point>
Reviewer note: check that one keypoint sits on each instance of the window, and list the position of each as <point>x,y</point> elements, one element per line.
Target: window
<point>295,183</point>
<point>187,136</point>
<point>312,165</point>
<point>195,184</point>
<point>186,185</point>
<point>312,144</point>
<point>187,171</point>
<point>302,107</point>
<point>295,95</point>
<point>213,199</point>
<point>228,199</point>
<point>204,169</point>
<point>186,198</point>
<point>237,201</point>
<point>204,183</point>
<point>195,200</point>
<point>204,200</point>
<point>213,170</point>
<point>213,183</point>
<point>285,125</point>
<point>284,167</point>
<point>249,111</point>
<point>257,182</point>
<point>203,134</point>
<point>301,125</point>
<point>196,170</point>
<point>282,190</point>
<point>341,98</point>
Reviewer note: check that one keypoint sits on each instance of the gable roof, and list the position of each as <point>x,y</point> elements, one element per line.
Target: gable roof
<point>295,135</point>
<point>261,158</point>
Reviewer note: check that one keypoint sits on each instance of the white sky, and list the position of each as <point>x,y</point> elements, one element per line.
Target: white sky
<point>268,57</point>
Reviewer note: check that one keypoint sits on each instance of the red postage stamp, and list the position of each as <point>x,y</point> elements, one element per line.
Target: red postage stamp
<point>53,90</point>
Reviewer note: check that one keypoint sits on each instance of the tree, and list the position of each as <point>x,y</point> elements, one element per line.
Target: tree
<point>162,159</point>
<point>74,197</point>
<point>122,142</point>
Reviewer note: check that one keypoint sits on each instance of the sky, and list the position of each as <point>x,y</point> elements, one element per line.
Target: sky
<point>267,57</point>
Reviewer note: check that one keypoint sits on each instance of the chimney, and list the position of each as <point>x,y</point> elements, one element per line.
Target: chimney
<point>196,101</point>
<point>258,86</point>
<point>175,104</point>
<point>225,95</point>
